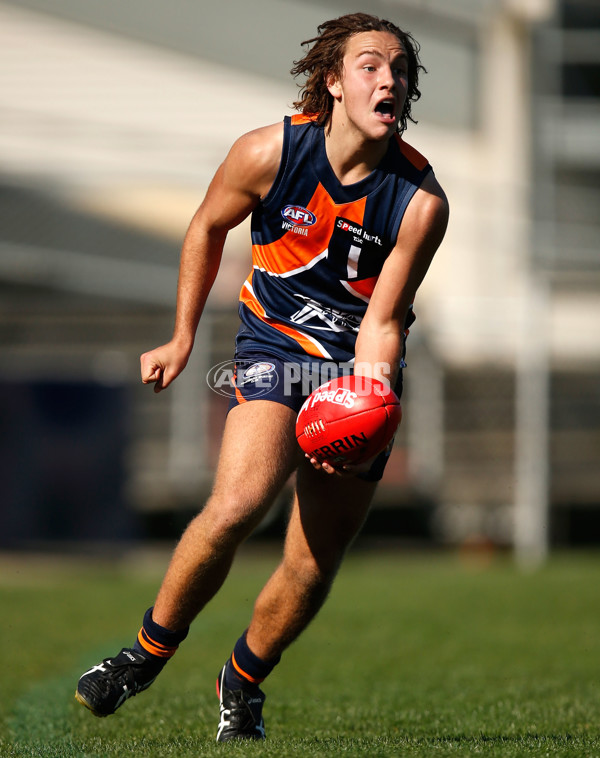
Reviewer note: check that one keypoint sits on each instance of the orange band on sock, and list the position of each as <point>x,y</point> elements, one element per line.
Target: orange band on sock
<point>155,648</point>
<point>241,672</point>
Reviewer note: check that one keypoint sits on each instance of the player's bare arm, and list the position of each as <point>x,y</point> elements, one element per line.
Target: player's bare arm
<point>380,340</point>
<point>242,179</point>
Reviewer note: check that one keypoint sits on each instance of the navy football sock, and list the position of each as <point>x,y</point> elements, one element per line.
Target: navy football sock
<point>245,669</point>
<point>156,642</point>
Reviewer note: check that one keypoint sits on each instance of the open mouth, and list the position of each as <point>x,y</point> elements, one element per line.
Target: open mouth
<point>386,109</point>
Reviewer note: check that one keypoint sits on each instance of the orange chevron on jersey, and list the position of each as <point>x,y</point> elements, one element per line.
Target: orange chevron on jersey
<point>308,344</point>
<point>363,288</point>
<point>295,251</point>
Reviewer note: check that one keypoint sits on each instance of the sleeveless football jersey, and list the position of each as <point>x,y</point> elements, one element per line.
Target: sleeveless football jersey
<point>318,247</point>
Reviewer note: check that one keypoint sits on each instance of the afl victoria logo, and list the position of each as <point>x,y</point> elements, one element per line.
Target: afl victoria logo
<point>298,215</point>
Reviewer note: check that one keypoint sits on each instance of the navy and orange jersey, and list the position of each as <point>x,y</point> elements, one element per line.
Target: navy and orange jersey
<point>318,246</point>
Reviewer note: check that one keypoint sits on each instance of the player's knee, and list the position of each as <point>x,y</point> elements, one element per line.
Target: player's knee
<point>315,569</point>
<point>228,521</point>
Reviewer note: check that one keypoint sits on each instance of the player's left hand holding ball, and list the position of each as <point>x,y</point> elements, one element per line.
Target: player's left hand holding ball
<point>347,422</point>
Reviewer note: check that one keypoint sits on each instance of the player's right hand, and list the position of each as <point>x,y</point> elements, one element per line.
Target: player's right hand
<point>348,469</point>
<point>162,365</point>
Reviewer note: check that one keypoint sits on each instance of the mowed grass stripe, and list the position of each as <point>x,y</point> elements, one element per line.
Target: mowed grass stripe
<point>418,655</point>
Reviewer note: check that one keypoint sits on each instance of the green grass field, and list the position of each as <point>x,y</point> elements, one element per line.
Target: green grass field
<point>420,655</point>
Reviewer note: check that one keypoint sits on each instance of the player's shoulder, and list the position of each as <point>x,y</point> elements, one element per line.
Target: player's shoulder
<point>260,145</point>
<point>429,196</point>
<point>256,155</point>
<point>415,168</point>
<point>428,211</point>
<point>433,198</point>
<point>428,181</point>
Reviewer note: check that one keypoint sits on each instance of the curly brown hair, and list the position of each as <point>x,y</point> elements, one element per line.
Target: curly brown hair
<point>326,56</point>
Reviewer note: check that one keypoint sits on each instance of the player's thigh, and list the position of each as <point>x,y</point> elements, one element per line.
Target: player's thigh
<point>327,513</point>
<point>258,453</point>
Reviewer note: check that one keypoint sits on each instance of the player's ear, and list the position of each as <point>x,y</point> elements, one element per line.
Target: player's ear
<point>334,85</point>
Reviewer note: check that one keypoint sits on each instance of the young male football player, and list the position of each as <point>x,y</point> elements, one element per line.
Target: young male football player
<point>346,218</point>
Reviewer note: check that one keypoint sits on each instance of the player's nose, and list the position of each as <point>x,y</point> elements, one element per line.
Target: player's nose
<point>387,80</point>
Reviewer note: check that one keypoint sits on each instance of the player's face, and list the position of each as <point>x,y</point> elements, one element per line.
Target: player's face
<point>371,93</point>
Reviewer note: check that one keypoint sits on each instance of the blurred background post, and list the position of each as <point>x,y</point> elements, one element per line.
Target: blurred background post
<point>113,118</point>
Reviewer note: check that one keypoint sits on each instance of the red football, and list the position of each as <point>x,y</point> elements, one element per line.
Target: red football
<point>348,420</point>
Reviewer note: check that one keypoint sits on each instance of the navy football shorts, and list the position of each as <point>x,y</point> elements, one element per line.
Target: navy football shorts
<point>259,376</point>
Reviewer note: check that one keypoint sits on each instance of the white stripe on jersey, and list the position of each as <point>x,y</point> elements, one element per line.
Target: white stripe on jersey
<point>352,291</point>
<point>311,339</point>
<point>298,270</point>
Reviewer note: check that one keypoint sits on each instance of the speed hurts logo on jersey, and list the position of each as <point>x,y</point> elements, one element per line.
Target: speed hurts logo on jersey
<point>359,233</point>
